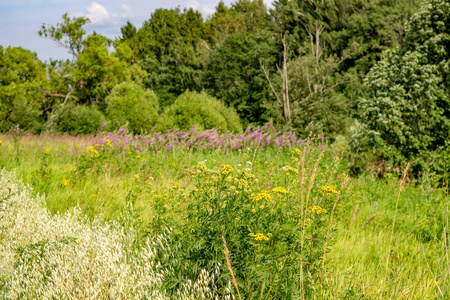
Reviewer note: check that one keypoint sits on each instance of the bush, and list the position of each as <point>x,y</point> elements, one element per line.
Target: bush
<point>206,112</point>
<point>24,114</point>
<point>131,106</point>
<point>74,119</point>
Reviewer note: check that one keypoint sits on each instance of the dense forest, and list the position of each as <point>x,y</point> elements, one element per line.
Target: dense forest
<point>370,76</point>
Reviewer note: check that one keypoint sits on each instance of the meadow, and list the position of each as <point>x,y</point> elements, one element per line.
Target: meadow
<point>205,215</point>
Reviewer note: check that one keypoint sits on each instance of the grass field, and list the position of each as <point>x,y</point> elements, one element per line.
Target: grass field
<point>204,215</point>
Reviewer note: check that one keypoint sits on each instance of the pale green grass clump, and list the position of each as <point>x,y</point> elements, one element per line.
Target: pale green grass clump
<point>60,257</point>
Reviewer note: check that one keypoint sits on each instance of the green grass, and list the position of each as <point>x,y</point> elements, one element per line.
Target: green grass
<point>107,185</point>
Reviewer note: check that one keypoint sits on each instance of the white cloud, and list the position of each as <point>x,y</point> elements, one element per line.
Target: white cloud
<point>205,9</point>
<point>99,15</point>
<point>128,13</point>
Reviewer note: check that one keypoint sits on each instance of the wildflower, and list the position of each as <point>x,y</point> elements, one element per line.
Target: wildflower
<point>108,142</point>
<point>47,151</point>
<point>65,182</point>
<point>226,169</point>
<point>136,176</point>
<point>1,142</point>
<point>289,169</point>
<point>97,145</point>
<point>258,236</point>
<point>201,167</point>
<point>297,151</point>
<point>329,189</point>
<point>279,190</point>
<point>173,164</point>
<point>317,210</point>
<point>94,195</point>
<point>137,156</point>
<point>263,195</point>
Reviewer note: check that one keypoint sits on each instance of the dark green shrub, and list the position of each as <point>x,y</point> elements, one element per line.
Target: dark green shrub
<point>24,114</point>
<point>74,119</point>
<point>206,112</point>
<point>406,114</point>
<point>132,106</point>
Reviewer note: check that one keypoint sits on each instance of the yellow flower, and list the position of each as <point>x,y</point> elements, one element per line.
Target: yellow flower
<point>1,142</point>
<point>329,189</point>
<point>279,190</point>
<point>297,151</point>
<point>94,195</point>
<point>136,176</point>
<point>263,195</point>
<point>258,236</point>
<point>108,142</point>
<point>317,210</point>
<point>137,156</point>
<point>201,167</point>
<point>226,169</point>
<point>47,151</point>
<point>96,145</point>
<point>173,164</point>
<point>65,182</point>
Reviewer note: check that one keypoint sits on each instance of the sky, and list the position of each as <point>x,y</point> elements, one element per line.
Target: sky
<point>20,20</point>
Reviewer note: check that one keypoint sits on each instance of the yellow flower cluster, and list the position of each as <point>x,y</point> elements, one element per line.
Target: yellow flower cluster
<point>317,210</point>
<point>201,167</point>
<point>280,190</point>
<point>47,151</point>
<point>297,151</point>
<point>259,236</point>
<point>263,195</point>
<point>91,151</point>
<point>289,169</point>
<point>108,142</point>
<point>226,169</point>
<point>329,189</point>
<point>240,183</point>
<point>65,182</point>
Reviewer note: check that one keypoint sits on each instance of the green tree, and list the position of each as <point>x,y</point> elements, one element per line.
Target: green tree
<point>171,48</point>
<point>406,116</point>
<point>203,111</point>
<point>23,86</point>
<point>68,34</point>
<point>131,106</point>
<point>234,74</point>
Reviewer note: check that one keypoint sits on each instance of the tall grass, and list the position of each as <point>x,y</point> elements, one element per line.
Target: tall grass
<point>363,241</point>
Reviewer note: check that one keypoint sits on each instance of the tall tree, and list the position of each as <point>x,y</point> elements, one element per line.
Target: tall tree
<point>407,113</point>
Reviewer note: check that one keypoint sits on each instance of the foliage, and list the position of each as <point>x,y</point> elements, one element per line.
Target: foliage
<point>74,119</point>
<point>407,112</point>
<point>131,106</point>
<point>68,34</point>
<point>234,74</point>
<point>22,80</point>
<point>206,112</point>
<point>171,49</point>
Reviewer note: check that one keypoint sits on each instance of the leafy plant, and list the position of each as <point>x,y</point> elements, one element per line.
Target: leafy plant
<point>132,106</point>
<point>74,119</point>
<point>206,112</point>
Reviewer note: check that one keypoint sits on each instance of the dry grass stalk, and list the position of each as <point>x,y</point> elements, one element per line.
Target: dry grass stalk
<point>369,221</point>
<point>402,183</point>
<point>354,216</point>
<point>227,257</point>
<point>346,179</point>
